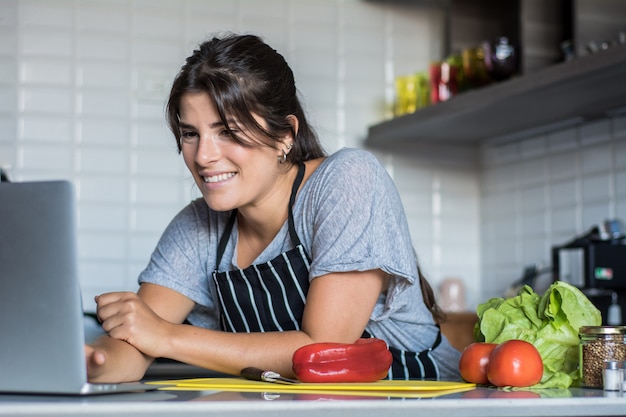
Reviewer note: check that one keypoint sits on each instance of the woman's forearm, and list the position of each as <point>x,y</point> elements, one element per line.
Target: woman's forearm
<point>122,362</point>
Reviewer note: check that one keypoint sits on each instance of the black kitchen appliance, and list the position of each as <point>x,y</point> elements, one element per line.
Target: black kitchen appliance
<point>595,262</point>
<point>596,259</point>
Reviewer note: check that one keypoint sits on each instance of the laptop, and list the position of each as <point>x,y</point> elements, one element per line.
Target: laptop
<point>42,332</point>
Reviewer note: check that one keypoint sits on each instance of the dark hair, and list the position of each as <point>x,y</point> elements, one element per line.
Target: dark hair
<point>245,76</point>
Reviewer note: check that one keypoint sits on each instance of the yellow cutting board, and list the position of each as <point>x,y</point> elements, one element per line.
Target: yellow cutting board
<point>395,388</point>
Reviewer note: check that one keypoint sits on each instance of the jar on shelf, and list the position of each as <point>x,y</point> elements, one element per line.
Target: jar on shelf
<point>599,344</point>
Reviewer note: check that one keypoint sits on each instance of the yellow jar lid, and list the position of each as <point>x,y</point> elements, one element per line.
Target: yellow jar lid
<point>602,330</point>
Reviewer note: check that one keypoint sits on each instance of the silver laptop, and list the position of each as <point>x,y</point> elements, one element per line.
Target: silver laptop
<point>41,316</point>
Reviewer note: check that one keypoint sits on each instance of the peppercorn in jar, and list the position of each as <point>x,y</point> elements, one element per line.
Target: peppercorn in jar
<point>597,345</point>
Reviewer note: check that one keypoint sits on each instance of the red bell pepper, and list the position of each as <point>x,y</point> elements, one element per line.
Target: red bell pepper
<point>366,360</point>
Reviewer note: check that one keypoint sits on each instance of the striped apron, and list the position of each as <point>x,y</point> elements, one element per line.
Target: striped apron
<point>271,296</point>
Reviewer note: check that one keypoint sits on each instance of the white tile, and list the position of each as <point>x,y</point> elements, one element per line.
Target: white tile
<point>619,153</point>
<point>270,10</point>
<point>156,191</point>
<point>596,188</point>
<point>155,163</point>
<point>154,135</point>
<point>619,127</point>
<point>92,74</point>
<point>49,43</point>
<point>533,199</point>
<point>115,20</point>
<point>596,132</point>
<point>49,129</point>
<point>8,41</point>
<point>533,171</point>
<point>103,189</point>
<point>100,160</point>
<point>533,225</point>
<point>104,103</point>
<point>49,157</point>
<point>152,219</point>
<point>564,194</point>
<point>46,71</point>
<point>8,128</point>
<point>159,52</point>
<point>563,165</point>
<point>47,100</point>
<point>534,147</point>
<point>620,209</point>
<point>100,131</point>
<point>51,14</point>
<point>102,246</point>
<point>103,47</point>
<point>210,7</point>
<point>159,27</point>
<point>596,159</point>
<point>102,217</point>
<point>563,140</point>
<point>8,71</point>
<point>620,183</point>
<point>564,221</point>
<point>594,214</point>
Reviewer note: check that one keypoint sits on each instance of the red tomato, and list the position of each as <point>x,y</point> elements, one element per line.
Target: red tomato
<point>515,363</point>
<point>474,360</point>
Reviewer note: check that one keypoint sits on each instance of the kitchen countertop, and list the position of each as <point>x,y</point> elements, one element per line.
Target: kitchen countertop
<point>480,401</point>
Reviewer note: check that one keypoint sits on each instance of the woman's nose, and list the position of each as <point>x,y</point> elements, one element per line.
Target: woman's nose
<point>208,151</point>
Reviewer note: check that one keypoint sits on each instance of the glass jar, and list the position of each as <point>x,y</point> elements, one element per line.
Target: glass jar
<point>597,345</point>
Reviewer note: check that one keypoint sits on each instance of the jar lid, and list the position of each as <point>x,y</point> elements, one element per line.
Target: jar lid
<point>602,330</point>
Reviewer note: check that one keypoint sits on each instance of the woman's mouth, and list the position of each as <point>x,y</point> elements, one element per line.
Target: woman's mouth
<point>218,177</point>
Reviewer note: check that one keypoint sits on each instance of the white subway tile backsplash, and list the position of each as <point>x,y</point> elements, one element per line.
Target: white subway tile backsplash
<point>112,19</point>
<point>594,214</point>
<point>564,194</point>
<point>596,188</point>
<point>110,48</point>
<point>100,131</point>
<point>102,218</point>
<point>53,15</point>
<point>52,158</point>
<point>103,103</point>
<point>8,71</point>
<point>46,128</point>
<point>563,166</point>
<point>157,27</point>
<point>103,189</point>
<point>596,159</point>
<point>103,160</point>
<point>46,100</point>
<point>39,42</point>
<point>596,132</point>
<point>46,71</point>
<point>84,114</point>
<point>102,75</point>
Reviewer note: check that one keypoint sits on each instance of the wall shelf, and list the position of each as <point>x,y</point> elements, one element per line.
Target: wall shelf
<point>585,88</point>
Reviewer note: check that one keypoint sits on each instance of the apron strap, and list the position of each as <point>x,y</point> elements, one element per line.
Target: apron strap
<point>221,247</point>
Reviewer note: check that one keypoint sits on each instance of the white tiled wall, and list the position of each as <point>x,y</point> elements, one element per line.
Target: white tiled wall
<point>83,85</point>
<point>82,89</point>
<point>543,191</point>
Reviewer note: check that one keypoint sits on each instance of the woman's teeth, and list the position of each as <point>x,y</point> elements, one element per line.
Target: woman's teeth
<point>220,177</point>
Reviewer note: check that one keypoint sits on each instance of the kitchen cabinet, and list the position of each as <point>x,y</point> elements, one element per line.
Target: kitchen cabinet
<point>565,94</point>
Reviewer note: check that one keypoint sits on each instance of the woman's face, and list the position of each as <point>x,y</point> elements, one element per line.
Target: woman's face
<point>228,174</point>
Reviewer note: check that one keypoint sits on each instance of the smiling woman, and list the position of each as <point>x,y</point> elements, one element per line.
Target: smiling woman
<point>287,246</point>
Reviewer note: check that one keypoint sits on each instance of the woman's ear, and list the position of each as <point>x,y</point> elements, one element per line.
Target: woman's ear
<point>293,121</point>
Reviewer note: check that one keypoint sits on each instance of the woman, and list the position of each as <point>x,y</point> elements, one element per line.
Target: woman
<point>287,247</point>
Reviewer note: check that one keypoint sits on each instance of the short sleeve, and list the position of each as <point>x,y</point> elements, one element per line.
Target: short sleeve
<point>177,262</point>
<point>359,222</point>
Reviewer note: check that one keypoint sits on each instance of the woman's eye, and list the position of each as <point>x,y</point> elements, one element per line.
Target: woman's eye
<point>188,135</point>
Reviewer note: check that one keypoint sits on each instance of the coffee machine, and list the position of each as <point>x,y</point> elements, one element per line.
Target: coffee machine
<point>595,262</point>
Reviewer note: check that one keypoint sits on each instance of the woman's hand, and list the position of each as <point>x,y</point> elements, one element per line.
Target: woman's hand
<point>125,316</point>
<point>96,360</point>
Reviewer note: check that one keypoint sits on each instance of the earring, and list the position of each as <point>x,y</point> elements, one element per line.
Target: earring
<point>282,159</point>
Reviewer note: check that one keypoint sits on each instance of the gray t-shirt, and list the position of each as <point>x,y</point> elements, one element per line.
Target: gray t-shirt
<point>349,217</point>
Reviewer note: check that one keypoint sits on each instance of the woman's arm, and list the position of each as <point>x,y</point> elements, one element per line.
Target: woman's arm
<point>337,309</point>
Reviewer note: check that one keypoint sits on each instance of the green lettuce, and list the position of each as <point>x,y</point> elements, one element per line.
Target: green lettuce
<point>550,322</point>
